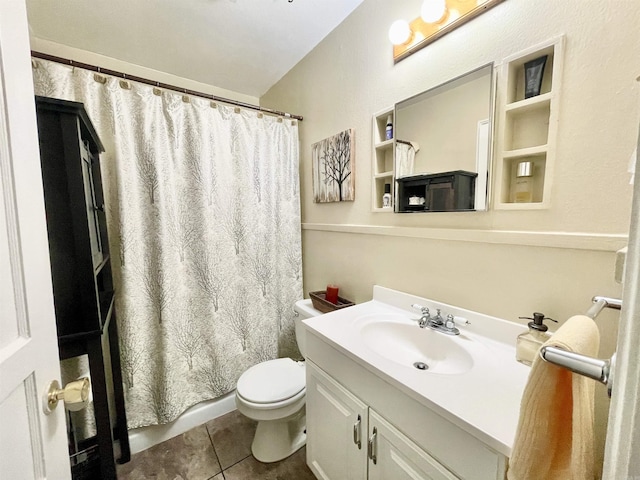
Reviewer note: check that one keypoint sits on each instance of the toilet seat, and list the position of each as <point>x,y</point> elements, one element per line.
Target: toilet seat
<point>275,382</point>
<point>272,410</point>
<point>273,393</point>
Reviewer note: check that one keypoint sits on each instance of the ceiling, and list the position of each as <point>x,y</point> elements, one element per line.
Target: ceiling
<point>241,45</point>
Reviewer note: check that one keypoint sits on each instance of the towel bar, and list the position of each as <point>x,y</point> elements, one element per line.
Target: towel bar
<point>595,368</point>
<point>600,303</point>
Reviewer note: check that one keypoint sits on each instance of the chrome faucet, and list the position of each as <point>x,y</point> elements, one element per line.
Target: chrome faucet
<point>437,323</point>
<point>424,320</point>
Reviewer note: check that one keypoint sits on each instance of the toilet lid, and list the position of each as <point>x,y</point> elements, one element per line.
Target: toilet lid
<point>272,381</point>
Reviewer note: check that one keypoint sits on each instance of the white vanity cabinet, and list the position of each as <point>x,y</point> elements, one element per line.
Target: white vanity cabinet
<point>412,440</point>
<point>348,440</point>
<point>455,419</point>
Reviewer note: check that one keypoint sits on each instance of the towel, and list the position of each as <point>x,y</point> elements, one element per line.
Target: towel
<point>405,159</point>
<point>554,439</point>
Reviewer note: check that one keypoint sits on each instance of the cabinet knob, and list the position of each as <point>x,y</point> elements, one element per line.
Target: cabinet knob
<point>99,207</point>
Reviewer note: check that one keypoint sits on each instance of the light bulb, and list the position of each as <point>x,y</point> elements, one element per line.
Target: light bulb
<point>399,32</point>
<point>433,10</point>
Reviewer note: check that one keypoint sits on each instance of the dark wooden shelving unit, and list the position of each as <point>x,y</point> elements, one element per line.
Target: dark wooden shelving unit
<point>81,270</point>
<point>442,192</point>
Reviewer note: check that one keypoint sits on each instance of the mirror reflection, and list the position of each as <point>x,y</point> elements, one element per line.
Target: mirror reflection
<point>442,145</point>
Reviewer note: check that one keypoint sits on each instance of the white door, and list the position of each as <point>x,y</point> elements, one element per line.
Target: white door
<point>32,445</point>
<point>336,429</point>
<point>623,432</point>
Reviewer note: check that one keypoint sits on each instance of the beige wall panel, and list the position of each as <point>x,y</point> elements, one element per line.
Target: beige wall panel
<point>506,281</point>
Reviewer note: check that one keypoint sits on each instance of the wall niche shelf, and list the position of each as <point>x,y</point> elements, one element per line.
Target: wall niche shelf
<point>382,161</point>
<point>528,126</point>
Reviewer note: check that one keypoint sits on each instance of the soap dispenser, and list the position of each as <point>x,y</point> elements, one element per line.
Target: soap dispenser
<point>528,344</point>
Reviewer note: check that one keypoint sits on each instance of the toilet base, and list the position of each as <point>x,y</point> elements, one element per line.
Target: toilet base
<point>275,440</point>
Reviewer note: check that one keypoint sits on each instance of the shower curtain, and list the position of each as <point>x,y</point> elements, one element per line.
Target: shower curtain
<point>203,217</point>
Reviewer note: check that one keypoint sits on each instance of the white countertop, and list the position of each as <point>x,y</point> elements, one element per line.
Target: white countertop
<point>484,401</point>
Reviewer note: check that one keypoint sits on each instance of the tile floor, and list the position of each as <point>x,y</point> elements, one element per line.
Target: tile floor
<point>217,450</point>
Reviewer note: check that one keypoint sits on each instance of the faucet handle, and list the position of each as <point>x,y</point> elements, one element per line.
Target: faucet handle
<point>450,326</point>
<point>424,310</point>
<point>450,323</point>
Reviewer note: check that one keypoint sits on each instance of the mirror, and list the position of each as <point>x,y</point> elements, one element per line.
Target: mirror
<point>442,145</point>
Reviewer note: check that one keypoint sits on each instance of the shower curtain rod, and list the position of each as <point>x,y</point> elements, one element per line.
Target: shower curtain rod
<point>113,73</point>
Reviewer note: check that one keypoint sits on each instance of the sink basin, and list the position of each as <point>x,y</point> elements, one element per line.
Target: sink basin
<point>400,340</point>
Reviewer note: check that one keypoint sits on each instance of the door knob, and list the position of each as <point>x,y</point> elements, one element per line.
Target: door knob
<point>75,395</point>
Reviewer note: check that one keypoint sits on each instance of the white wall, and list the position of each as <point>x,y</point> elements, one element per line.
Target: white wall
<point>504,263</point>
<point>91,58</point>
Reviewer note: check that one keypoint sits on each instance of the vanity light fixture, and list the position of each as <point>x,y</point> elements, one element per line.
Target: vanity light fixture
<point>400,33</point>
<point>433,11</point>
<point>437,18</point>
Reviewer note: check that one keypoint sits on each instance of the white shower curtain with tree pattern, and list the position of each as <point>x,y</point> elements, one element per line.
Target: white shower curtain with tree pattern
<point>203,215</point>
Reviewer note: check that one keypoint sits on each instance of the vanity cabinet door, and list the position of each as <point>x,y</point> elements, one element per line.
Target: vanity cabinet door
<point>336,429</point>
<point>393,456</point>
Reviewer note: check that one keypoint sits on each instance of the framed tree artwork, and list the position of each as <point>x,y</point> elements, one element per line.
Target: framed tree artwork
<point>333,168</point>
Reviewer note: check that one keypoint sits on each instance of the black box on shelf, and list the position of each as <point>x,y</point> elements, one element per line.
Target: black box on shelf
<point>437,192</point>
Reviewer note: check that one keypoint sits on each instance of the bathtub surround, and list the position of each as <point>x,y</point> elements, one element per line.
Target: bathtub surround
<point>142,438</point>
<point>203,211</point>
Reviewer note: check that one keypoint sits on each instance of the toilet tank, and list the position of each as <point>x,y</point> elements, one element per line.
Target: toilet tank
<point>304,309</point>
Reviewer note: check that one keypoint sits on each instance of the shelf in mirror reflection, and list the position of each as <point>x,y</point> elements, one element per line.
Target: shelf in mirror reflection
<point>416,208</point>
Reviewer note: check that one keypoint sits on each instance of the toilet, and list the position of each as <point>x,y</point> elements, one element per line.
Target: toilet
<point>273,393</point>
